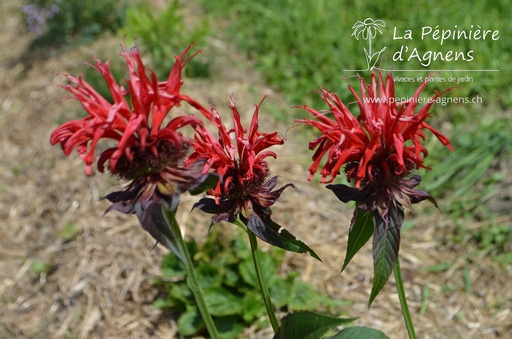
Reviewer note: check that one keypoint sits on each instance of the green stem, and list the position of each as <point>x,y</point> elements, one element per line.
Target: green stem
<point>261,281</point>
<point>403,300</point>
<point>192,280</point>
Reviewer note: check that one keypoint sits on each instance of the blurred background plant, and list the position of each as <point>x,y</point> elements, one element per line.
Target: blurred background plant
<point>69,22</point>
<point>301,46</point>
<point>163,34</point>
<point>226,273</point>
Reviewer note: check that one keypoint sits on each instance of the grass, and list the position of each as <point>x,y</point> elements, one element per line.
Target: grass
<point>300,46</point>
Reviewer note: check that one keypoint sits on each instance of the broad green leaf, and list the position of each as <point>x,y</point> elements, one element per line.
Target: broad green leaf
<point>307,325</point>
<point>221,302</point>
<point>190,322</point>
<point>253,306</point>
<point>281,290</point>
<point>386,242</point>
<point>163,303</point>
<point>229,327</point>
<point>208,276</point>
<point>239,246</point>
<point>231,277</point>
<point>304,296</point>
<point>357,332</point>
<point>180,292</point>
<point>248,272</point>
<point>360,231</point>
<point>172,267</point>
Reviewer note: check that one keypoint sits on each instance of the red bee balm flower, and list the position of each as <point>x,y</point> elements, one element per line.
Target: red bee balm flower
<point>149,155</point>
<point>379,149</point>
<point>244,191</point>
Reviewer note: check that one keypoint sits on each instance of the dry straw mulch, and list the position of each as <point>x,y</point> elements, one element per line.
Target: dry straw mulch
<point>99,284</point>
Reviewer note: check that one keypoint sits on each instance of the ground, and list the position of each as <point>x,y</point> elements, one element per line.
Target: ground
<point>98,284</point>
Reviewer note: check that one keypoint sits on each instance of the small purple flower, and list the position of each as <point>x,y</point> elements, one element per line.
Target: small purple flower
<point>37,17</point>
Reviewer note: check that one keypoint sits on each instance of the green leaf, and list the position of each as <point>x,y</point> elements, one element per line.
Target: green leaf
<point>386,242</point>
<point>229,327</point>
<point>239,246</point>
<point>357,332</point>
<point>180,292</point>
<point>360,231</point>
<point>253,306</point>
<point>304,296</point>
<point>248,272</point>
<point>208,276</point>
<point>190,322</point>
<point>221,302</point>
<point>172,267</point>
<point>281,290</point>
<point>307,325</point>
<point>162,303</point>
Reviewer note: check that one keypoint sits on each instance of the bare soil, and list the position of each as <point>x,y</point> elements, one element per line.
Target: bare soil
<point>99,283</point>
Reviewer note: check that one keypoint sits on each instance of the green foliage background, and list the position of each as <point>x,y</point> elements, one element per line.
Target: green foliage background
<point>302,45</point>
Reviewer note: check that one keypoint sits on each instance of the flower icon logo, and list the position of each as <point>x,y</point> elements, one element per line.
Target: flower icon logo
<point>368,29</point>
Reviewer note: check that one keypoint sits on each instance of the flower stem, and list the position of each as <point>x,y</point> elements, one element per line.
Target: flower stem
<point>192,281</point>
<point>403,300</point>
<point>261,280</point>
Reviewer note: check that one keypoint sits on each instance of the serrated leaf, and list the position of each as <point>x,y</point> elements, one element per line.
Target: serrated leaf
<point>180,292</point>
<point>357,332</point>
<point>304,296</point>
<point>172,267</point>
<point>248,272</point>
<point>307,325</point>
<point>360,231</point>
<point>229,327</point>
<point>281,290</point>
<point>269,231</point>
<point>253,306</point>
<point>221,302</point>
<point>386,243</point>
<point>190,322</point>
<point>208,276</point>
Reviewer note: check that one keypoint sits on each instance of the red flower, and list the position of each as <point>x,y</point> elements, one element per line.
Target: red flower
<point>379,148</point>
<point>242,166</point>
<point>149,153</point>
<point>139,125</point>
<point>244,191</point>
<point>383,142</point>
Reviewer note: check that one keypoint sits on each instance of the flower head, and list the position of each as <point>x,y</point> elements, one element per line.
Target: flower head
<point>383,143</point>
<point>149,150</point>
<point>244,191</point>
<point>244,185</point>
<point>379,150</point>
